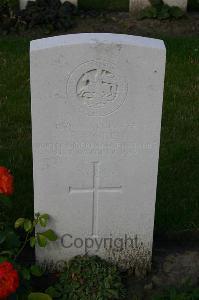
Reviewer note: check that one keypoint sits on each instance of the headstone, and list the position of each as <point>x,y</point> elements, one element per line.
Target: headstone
<point>137,5</point>
<point>96,119</point>
<point>23,3</point>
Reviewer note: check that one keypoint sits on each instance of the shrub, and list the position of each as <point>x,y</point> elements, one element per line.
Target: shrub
<point>15,277</point>
<point>51,13</point>
<point>161,11</point>
<point>9,14</point>
<point>88,278</point>
<point>193,5</point>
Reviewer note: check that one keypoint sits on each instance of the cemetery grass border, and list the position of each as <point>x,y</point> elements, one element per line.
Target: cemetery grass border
<point>177,194</point>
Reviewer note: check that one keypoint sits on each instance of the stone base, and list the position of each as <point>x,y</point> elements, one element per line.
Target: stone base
<point>24,2</point>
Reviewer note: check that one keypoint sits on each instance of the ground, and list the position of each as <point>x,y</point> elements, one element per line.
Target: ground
<point>177,209</point>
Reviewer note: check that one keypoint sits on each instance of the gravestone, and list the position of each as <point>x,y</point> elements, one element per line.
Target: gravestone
<point>96,119</point>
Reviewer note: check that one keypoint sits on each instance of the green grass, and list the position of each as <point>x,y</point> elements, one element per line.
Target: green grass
<point>114,5</point>
<point>186,294</point>
<point>177,196</point>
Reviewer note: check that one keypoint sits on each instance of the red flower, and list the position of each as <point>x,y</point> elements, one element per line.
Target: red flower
<point>9,280</point>
<point>6,182</point>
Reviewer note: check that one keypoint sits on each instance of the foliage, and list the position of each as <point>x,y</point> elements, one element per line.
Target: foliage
<point>88,278</point>
<point>51,13</point>
<point>12,4</point>
<point>193,5</point>
<point>9,14</point>
<point>39,296</point>
<point>173,294</point>
<point>41,238</point>
<point>161,11</point>
<point>11,246</point>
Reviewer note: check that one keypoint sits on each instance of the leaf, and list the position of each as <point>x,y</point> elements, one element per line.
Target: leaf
<point>176,12</point>
<point>19,222</point>
<point>7,201</point>
<point>2,237</point>
<point>32,241</point>
<point>43,220</point>
<point>2,259</point>
<point>12,240</point>
<point>36,271</point>
<point>42,241</point>
<point>53,292</point>
<point>39,296</point>
<point>114,293</point>
<point>26,274</point>
<point>50,235</point>
<point>27,225</point>
<point>163,13</point>
<point>148,12</point>
<point>6,253</point>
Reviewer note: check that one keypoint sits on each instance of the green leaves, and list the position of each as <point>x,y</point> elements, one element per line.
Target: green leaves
<point>19,223</point>
<point>43,220</point>
<point>36,270</point>
<point>42,240</point>
<point>53,292</point>
<point>32,241</point>
<point>39,296</point>
<point>2,236</point>
<point>27,225</point>
<point>176,12</point>
<point>50,235</point>
<point>46,236</point>
<point>88,278</point>
<point>161,11</point>
<point>9,239</point>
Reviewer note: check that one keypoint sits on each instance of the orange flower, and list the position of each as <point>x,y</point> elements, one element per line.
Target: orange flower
<point>6,182</point>
<point>9,280</point>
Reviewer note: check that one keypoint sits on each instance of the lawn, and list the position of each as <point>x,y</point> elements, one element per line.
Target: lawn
<point>177,195</point>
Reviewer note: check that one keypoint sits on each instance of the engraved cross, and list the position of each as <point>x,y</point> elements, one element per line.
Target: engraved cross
<point>95,189</point>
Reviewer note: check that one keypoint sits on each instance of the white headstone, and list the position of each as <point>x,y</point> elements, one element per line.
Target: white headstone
<point>23,3</point>
<point>96,119</point>
<point>138,5</point>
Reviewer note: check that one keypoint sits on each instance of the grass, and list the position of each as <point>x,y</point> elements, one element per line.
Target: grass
<point>114,5</point>
<point>177,195</point>
<point>184,294</point>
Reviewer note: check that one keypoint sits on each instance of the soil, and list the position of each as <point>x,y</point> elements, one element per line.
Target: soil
<point>127,24</point>
<point>175,264</point>
<point>124,23</point>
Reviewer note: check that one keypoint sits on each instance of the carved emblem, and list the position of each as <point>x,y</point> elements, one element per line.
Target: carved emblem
<point>96,88</point>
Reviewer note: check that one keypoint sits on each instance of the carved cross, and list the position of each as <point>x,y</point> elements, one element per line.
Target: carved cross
<point>95,189</point>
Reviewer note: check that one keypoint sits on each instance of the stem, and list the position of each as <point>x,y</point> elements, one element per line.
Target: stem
<point>23,246</point>
<point>35,221</point>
